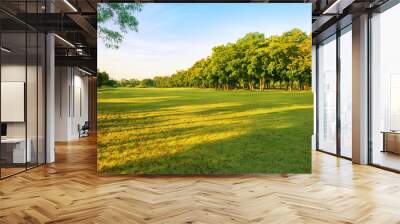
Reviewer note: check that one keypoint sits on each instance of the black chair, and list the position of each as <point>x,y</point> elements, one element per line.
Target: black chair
<point>84,130</point>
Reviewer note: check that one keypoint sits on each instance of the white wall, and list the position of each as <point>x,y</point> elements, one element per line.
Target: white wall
<point>13,72</point>
<point>62,83</point>
<point>16,73</point>
<point>13,101</point>
<point>80,109</point>
<point>71,102</point>
<point>33,127</point>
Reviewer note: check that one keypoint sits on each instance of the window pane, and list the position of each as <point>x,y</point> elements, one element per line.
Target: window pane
<point>327,95</point>
<point>13,86</point>
<point>41,99</point>
<point>386,89</point>
<point>31,98</point>
<point>346,93</point>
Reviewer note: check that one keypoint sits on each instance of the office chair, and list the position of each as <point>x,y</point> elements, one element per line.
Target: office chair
<point>84,130</point>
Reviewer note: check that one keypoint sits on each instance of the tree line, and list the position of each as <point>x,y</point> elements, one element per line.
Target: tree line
<point>104,80</point>
<point>252,62</point>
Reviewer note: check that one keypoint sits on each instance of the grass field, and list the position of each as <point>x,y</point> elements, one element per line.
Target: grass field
<point>203,131</point>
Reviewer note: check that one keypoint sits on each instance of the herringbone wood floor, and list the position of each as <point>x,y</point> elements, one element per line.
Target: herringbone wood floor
<point>70,191</point>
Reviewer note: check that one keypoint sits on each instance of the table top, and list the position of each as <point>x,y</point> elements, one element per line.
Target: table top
<point>391,132</point>
<point>13,140</point>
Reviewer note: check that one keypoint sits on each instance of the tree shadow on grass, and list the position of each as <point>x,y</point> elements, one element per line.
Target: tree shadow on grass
<point>260,149</point>
<point>156,129</point>
<point>156,121</point>
<point>175,98</point>
<point>163,116</point>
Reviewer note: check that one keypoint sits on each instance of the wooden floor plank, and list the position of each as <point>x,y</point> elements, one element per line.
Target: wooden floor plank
<point>70,191</point>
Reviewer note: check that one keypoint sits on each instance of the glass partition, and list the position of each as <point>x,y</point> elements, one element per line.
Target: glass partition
<point>327,95</point>
<point>385,89</point>
<point>22,88</point>
<point>41,97</point>
<point>346,92</point>
<point>31,98</point>
<point>13,94</point>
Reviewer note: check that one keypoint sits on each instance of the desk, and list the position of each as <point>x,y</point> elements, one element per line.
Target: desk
<point>391,141</point>
<point>18,150</point>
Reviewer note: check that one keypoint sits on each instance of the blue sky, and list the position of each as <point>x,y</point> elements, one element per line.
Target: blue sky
<point>174,36</point>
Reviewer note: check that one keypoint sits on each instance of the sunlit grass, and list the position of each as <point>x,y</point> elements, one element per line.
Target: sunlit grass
<point>198,131</point>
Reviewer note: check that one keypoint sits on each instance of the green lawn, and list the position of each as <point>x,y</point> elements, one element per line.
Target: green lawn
<point>203,131</point>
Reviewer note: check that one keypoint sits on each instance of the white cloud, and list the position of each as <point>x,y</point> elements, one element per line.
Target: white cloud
<point>147,58</point>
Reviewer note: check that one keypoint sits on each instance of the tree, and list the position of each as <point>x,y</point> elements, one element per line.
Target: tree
<point>276,66</point>
<point>122,15</point>
<point>304,75</point>
<point>112,83</point>
<point>293,56</point>
<point>102,78</point>
<point>249,45</point>
<point>129,83</point>
<point>262,61</point>
<point>147,83</point>
<point>218,67</point>
<point>251,62</point>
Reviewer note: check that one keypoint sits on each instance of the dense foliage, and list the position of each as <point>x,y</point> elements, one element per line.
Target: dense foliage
<point>253,61</point>
<point>104,80</point>
<point>122,15</point>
